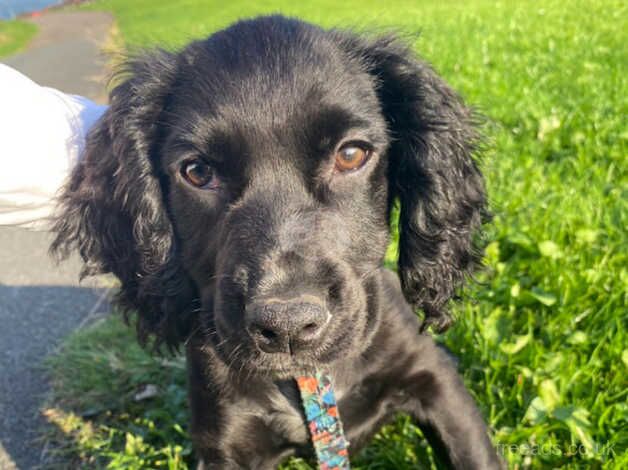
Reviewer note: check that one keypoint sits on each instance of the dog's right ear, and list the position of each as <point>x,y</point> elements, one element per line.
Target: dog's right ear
<point>432,173</point>
<point>112,207</point>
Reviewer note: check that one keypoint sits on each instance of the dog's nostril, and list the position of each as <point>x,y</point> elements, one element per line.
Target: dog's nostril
<point>334,293</point>
<point>268,334</point>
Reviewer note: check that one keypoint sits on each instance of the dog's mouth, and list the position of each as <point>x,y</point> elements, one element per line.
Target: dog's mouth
<point>277,365</point>
<point>284,368</point>
<point>245,359</point>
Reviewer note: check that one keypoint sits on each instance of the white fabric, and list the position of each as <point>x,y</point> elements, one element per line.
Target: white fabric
<point>42,135</point>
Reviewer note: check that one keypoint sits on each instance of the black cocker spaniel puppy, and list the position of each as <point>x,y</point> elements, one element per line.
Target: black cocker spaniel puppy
<point>242,191</point>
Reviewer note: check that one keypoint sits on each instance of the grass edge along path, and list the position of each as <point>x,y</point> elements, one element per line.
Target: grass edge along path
<point>15,36</point>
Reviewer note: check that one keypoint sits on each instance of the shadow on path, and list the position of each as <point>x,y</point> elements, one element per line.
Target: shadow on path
<point>34,320</point>
<point>40,304</point>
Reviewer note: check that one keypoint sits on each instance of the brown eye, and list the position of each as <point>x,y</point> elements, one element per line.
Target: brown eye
<point>350,158</point>
<point>198,174</point>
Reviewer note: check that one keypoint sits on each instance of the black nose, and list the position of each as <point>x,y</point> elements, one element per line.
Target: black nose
<point>287,325</point>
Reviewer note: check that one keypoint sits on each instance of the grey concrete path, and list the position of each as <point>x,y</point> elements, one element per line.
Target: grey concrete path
<point>41,303</point>
<point>66,54</point>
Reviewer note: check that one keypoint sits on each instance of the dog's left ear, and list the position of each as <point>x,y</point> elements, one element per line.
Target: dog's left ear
<point>112,208</point>
<point>432,174</point>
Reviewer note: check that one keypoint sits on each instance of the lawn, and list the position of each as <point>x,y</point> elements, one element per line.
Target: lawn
<point>541,336</point>
<point>14,36</point>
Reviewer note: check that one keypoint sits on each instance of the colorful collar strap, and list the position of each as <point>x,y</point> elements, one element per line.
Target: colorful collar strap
<point>321,412</point>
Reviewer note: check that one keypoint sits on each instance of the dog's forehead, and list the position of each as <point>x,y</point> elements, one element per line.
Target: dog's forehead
<point>271,69</point>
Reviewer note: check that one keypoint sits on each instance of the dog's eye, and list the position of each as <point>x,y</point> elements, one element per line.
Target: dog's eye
<point>351,157</point>
<point>199,174</point>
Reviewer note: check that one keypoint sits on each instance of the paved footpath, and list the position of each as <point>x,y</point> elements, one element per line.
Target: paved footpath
<point>41,303</point>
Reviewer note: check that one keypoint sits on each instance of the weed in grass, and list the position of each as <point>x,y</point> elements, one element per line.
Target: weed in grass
<point>14,36</point>
<point>541,337</point>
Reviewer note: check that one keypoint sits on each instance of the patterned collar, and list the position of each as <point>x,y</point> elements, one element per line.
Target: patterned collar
<point>321,412</point>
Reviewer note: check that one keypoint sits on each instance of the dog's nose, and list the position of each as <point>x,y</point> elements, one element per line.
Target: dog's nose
<point>287,326</point>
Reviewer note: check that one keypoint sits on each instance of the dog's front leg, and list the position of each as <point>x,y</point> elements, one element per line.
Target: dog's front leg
<point>446,413</point>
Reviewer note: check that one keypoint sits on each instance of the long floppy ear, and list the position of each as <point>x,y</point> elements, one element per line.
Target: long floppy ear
<point>112,207</point>
<point>432,174</point>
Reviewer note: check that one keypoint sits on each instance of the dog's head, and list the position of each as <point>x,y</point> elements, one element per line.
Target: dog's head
<point>243,188</point>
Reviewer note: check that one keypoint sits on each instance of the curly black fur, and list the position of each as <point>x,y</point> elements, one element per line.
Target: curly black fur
<point>112,207</point>
<point>437,182</point>
<point>281,235</point>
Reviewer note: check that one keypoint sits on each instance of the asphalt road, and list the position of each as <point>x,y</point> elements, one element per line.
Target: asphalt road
<point>41,303</point>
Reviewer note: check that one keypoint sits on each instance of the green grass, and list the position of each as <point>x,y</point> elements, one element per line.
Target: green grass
<point>542,337</point>
<point>14,36</point>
